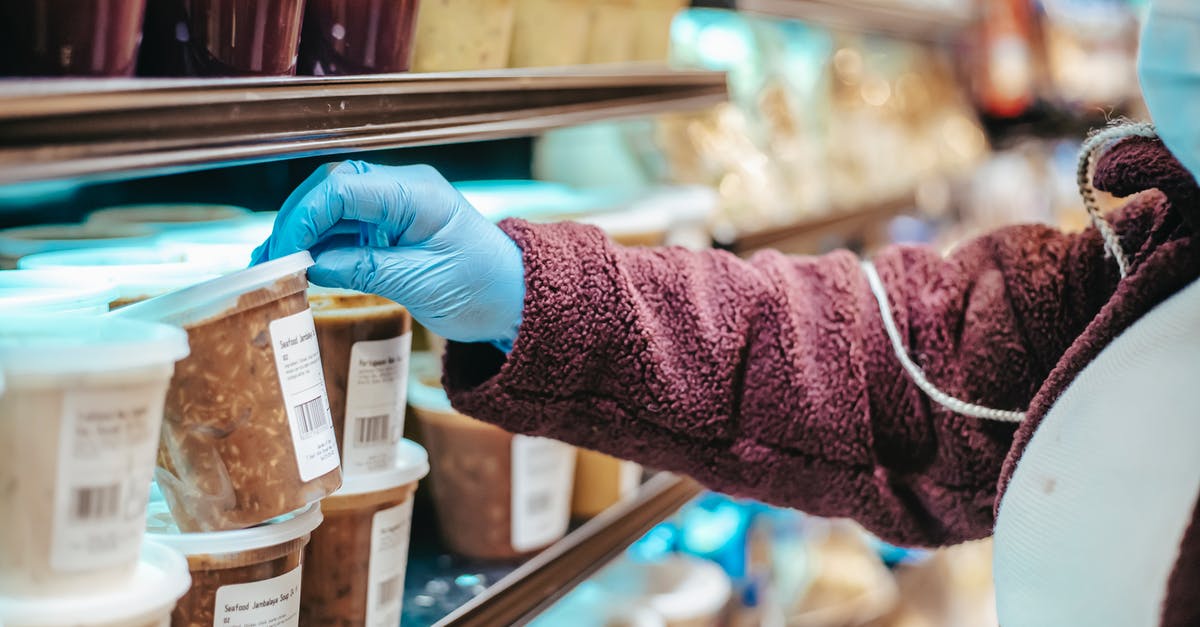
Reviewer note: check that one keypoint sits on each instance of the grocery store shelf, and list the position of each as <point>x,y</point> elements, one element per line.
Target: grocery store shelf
<point>112,128</point>
<point>811,234</point>
<point>542,580</point>
<point>878,16</point>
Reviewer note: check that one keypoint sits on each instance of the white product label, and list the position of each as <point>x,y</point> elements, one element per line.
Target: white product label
<point>389,558</point>
<point>542,476</point>
<point>630,478</point>
<point>272,602</point>
<point>298,361</point>
<point>106,456</point>
<point>375,397</point>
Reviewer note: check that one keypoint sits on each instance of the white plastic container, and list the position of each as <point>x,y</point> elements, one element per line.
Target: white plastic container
<point>163,217</point>
<point>144,600</point>
<point>231,570</point>
<point>356,561</point>
<point>137,273</point>
<point>247,429</point>
<point>79,429</point>
<point>30,240</point>
<point>51,292</point>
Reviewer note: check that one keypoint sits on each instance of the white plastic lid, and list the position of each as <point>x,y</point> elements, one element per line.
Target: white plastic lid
<point>533,200</point>
<point>412,464</point>
<point>168,216</point>
<point>424,366</point>
<point>38,291</point>
<point>683,204</point>
<point>633,222</point>
<point>29,240</point>
<point>204,300</point>
<point>58,345</point>
<point>160,527</point>
<point>253,229</point>
<point>159,581</point>
<point>136,272</point>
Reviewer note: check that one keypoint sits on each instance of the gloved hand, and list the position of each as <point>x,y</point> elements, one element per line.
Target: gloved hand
<point>457,273</point>
<point>1169,70</point>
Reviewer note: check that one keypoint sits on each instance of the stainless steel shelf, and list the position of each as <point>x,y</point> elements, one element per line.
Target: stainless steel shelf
<point>97,129</point>
<point>879,16</point>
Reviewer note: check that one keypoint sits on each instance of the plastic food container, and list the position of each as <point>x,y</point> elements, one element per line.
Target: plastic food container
<point>602,481</point>
<point>247,432</point>
<point>221,38</point>
<point>357,36</point>
<point>653,42</point>
<point>143,600</point>
<point>137,273</point>
<point>357,558</point>
<point>632,228</point>
<point>243,577</point>
<point>550,33</point>
<point>498,496</point>
<point>612,35</point>
<point>365,343</point>
<point>52,292</point>
<point>30,240</point>
<point>251,230</point>
<point>454,35</point>
<point>70,37</point>
<point>79,425</point>
<point>170,217</point>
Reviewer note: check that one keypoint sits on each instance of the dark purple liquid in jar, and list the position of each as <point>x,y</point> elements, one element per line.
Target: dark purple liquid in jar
<point>221,37</point>
<point>69,37</point>
<point>357,36</point>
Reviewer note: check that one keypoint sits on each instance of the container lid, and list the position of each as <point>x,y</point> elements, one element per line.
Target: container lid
<point>160,579</point>
<point>534,200</point>
<point>135,271</point>
<point>28,240</point>
<point>168,216</point>
<point>253,229</point>
<point>423,367</point>
<point>195,303</point>
<point>160,527</point>
<point>412,464</point>
<point>633,222</point>
<point>53,345</point>
<point>45,291</point>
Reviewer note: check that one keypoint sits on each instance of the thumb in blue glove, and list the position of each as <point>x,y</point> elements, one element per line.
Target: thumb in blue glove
<point>457,273</point>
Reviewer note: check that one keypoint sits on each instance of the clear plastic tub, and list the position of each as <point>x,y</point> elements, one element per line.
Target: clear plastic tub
<point>79,426</point>
<point>145,599</point>
<point>612,34</point>
<point>365,344</point>
<point>498,496</point>
<point>30,240</point>
<point>602,481</point>
<point>137,273</point>
<point>356,560</point>
<point>70,37</point>
<point>243,577</point>
<point>247,433</point>
<point>167,217</point>
<point>357,37</point>
<point>52,292</point>
<point>457,35</point>
<point>653,42</point>
<point>634,227</point>
<point>221,38</point>
<point>251,231</point>
<point>550,33</point>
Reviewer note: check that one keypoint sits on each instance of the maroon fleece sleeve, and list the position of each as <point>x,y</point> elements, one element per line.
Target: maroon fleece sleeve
<point>773,378</point>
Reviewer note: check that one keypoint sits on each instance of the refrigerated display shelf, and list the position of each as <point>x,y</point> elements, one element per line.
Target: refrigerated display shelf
<point>113,128</point>
<point>450,591</point>
<point>911,20</point>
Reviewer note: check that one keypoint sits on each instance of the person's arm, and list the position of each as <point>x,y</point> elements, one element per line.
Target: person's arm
<point>773,378</point>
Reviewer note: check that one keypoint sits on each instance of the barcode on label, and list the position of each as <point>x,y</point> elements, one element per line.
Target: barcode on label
<point>312,418</point>
<point>373,429</point>
<point>389,591</point>
<point>539,503</point>
<point>93,503</point>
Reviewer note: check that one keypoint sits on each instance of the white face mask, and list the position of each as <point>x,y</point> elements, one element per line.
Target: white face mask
<point>1169,69</point>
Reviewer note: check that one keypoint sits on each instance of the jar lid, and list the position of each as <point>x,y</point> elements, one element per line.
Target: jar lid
<point>160,527</point>
<point>43,291</point>
<point>412,464</point>
<point>58,345</point>
<point>135,271</point>
<point>27,240</point>
<point>203,300</point>
<point>168,216</point>
<point>424,367</point>
<point>160,579</point>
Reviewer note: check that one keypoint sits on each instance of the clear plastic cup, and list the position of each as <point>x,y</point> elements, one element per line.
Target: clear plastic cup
<point>221,38</point>
<point>79,427</point>
<point>70,37</point>
<point>602,481</point>
<point>365,344</point>
<point>29,240</point>
<point>497,495</point>
<point>455,35</point>
<point>357,37</point>
<point>356,560</point>
<point>165,217</point>
<point>247,432</point>
<point>550,33</point>
<point>137,273</point>
<point>145,599</point>
<point>242,577</point>
<point>612,34</point>
<point>52,292</point>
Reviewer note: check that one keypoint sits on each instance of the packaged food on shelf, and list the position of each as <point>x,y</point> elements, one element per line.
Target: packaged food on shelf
<point>632,227</point>
<point>20,241</point>
<point>365,342</point>
<point>456,35</point>
<point>612,32</point>
<point>247,431</point>
<point>250,231</point>
<point>52,292</point>
<point>240,577</point>
<point>145,599</point>
<point>497,495</point>
<point>601,481</point>
<point>356,37</point>
<point>356,560</point>
<point>550,33</point>
<point>220,38</point>
<point>653,19</point>
<point>79,426</point>
<point>166,217</point>
<point>70,37</point>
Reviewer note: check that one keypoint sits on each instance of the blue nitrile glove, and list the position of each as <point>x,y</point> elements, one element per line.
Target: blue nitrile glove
<point>457,273</point>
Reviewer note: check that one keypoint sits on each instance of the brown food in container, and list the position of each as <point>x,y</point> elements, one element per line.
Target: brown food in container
<point>357,36</point>
<point>221,38</point>
<point>70,37</point>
